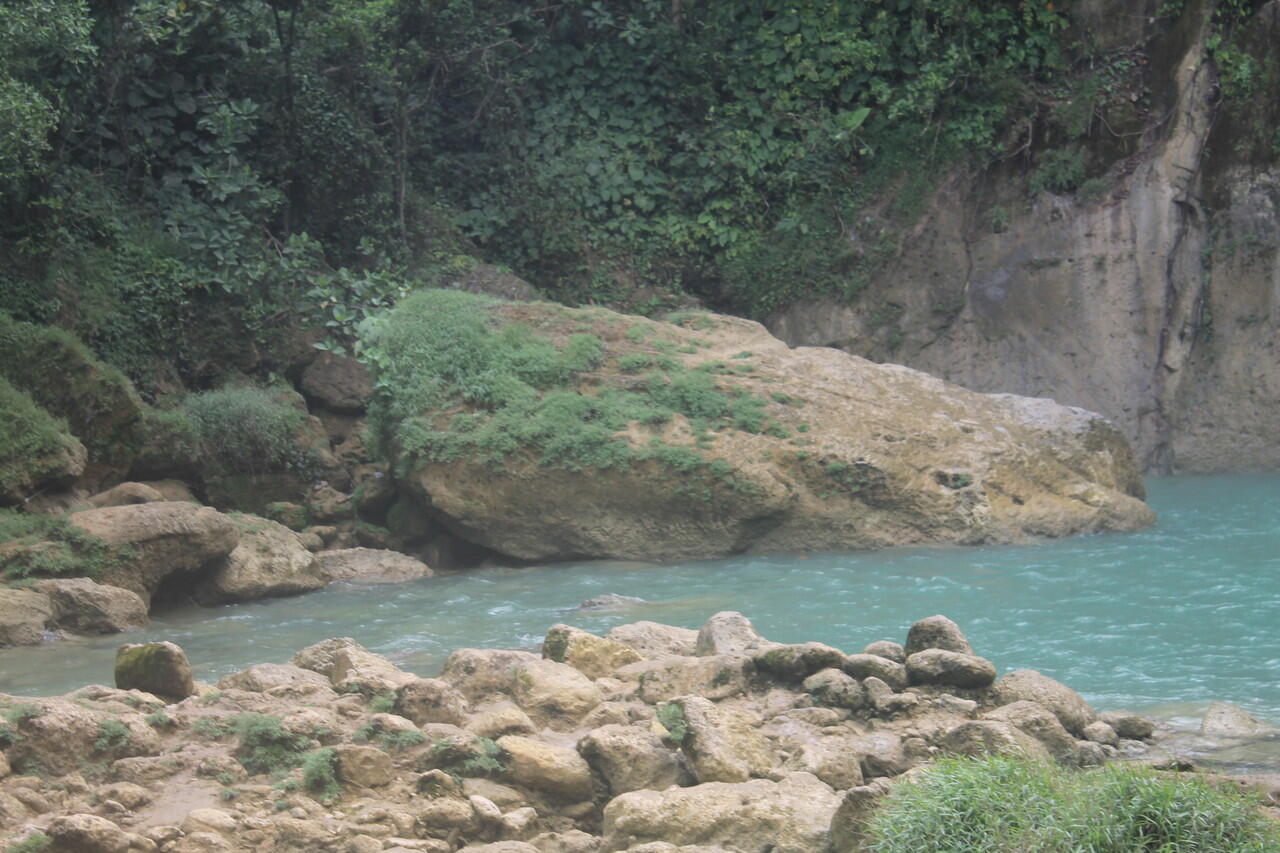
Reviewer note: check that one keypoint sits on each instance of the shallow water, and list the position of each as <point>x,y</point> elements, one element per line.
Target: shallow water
<point>1163,620</point>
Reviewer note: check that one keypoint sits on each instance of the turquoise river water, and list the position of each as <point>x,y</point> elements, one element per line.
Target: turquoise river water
<point>1163,620</point>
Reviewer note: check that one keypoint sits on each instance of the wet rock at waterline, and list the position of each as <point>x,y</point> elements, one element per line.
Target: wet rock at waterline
<point>844,453</point>
<point>649,747</point>
<point>158,668</point>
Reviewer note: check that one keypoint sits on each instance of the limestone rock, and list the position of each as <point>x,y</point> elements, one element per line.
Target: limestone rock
<point>881,754</point>
<point>796,662</point>
<point>86,607</point>
<point>159,668</point>
<point>887,649</point>
<point>1101,733</point>
<point>794,815</point>
<point>937,632</point>
<point>554,772</point>
<point>161,538</point>
<point>1069,706</point>
<point>430,700</point>
<point>1229,720</point>
<point>836,688</point>
<point>729,633</point>
<point>501,718</point>
<point>270,560</point>
<point>369,565</point>
<point>717,677</point>
<point>653,640</point>
<point>276,678</point>
<point>365,766</point>
<point>86,833</point>
<point>983,737</point>
<point>950,669</point>
<point>829,756</point>
<point>874,666</point>
<point>553,694</point>
<point>1040,723</point>
<point>337,382</point>
<point>58,736</point>
<point>125,494</point>
<point>720,746</point>
<point>1128,724</point>
<point>848,826</point>
<point>24,615</point>
<point>896,457</point>
<point>630,758</point>
<point>482,673</point>
<point>591,655</point>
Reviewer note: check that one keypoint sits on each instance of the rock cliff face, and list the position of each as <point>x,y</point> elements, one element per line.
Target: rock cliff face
<point>843,453</point>
<point>1157,306</point>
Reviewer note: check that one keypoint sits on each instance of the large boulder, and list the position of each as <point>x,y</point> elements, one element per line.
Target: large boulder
<point>480,674</point>
<point>339,383</point>
<point>127,493</point>
<point>269,560</point>
<point>653,640</point>
<point>159,668</point>
<point>1040,723</point>
<point>554,772</point>
<point>369,565</point>
<point>722,746</point>
<point>890,456</point>
<point>86,607</point>
<point>1067,705</point>
<point>351,667</point>
<point>1225,719</point>
<point>729,633</point>
<point>160,539</point>
<point>24,615</point>
<point>942,668</point>
<point>936,632</point>
<point>553,694</point>
<point>790,815</point>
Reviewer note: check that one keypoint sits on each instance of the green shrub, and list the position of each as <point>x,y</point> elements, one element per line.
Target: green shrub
<point>112,734</point>
<point>671,716</point>
<point>1007,805</point>
<point>320,774</point>
<point>242,431</point>
<point>266,746</point>
<point>36,842</point>
<point>32,442</point>
<point>1061,170</point>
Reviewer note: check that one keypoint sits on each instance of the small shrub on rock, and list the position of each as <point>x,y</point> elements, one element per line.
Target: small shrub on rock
<point>320,774</point>
<point>112,734</point>
<point>266,746</point>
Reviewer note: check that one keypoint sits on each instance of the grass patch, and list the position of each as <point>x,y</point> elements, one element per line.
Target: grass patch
<point>112,734</point>
<point>1006,805</point>
<point>671,716</point>
<point>33,443</point>
<point>45,546</point>
<point>266,746</point>
<point>36,842</point>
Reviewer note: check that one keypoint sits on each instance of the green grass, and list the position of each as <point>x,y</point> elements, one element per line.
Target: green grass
<point>57,548</point>
<point>266,746</point>
<point>112,734</point>
<point>1006,805</point>
<point>36,842</point>
<point>320,774</point>
<point>31,441</point>
<point>244,431</point>
<point>454,383</point>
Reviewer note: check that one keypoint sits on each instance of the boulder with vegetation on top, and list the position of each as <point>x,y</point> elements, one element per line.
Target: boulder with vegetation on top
<point>545,432</point>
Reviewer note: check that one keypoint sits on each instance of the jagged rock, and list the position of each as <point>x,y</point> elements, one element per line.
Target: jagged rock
<point>24,615</point>
<point>339,383</point>
<point>365,766</point>
<point>1229,720</point>
<point>897,456</point>
<point>553,694</point>
<point>159,668</point>
<point>836,688</point>
<point>1128,724</point>
<point>660,680</point>
<point>369,565</point>
<point>269,560</point>
<point>125,494</point>
<point>58,736</point>
<point>278,679</point>
<point>1069,706</point>
<point>983,737</point>
<point>430,700</point>
<point>1040,723</point>
<point>793,814</point>
<point>937,632</point>
<point>653,640</point>
<point>797,661</point>
<point>887,649</point>
<point>950,669</point>
<point>729,633</point>
<point>161,539</point>
<point>874,666</point>
<point>630,758</point>
<point>554,772</point>
<point>593,656</point>
<point>479,674</point>
<point>827,755</point>
<point>721,747</point>
<point>86,607</point>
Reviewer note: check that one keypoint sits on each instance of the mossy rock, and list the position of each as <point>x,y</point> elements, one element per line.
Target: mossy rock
<point>36,452</point>
<point>291,515</point>
<point>159,668</point>
<point>98,402</point>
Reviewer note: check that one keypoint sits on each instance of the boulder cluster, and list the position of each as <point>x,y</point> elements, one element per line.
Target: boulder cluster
<point>649,739</point>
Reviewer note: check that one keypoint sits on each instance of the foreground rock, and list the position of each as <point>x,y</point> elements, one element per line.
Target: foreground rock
<point>653,740</point>
<point>843,453</point>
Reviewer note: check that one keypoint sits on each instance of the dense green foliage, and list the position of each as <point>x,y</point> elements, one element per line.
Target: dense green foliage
<point>1003,805</point>
<point>31,440</point>
<point>458,376</point>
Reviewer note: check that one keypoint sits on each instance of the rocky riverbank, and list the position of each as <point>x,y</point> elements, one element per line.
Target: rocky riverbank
<point>652,738</point>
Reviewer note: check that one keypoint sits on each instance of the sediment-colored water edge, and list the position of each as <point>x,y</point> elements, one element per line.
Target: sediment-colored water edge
<point>1163,620</point>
